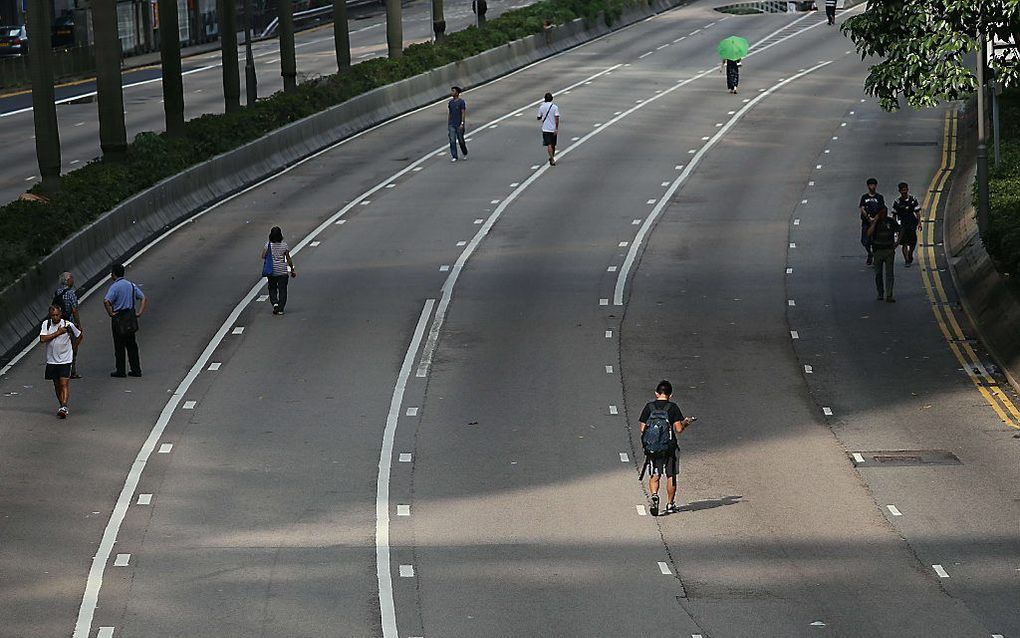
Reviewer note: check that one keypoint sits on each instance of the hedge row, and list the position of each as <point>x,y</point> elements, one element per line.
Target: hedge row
<point>1002,236</point>
<point>31,230</point>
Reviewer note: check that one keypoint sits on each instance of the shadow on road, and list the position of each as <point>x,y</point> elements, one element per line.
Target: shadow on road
<point>709,504</point>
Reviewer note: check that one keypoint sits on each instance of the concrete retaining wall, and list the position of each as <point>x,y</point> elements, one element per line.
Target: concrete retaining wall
<point>991,300</point>
<point>136,221</point>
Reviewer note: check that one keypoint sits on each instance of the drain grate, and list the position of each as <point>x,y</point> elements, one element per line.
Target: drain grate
<point>903,458</point>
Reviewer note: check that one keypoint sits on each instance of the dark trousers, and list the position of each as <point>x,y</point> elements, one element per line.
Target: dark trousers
<point>456,135</point>
<point>830,14</point>
<point>885,261</point>
<point>278,290</point>
<point>122,343</point>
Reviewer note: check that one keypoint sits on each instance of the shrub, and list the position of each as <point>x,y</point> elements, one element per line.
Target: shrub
<point>1002,235</point>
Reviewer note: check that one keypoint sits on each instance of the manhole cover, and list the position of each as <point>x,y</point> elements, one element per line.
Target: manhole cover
<point>901,458</point>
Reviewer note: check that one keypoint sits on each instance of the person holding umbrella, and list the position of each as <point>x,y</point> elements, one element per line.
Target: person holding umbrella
<point>732,50</point>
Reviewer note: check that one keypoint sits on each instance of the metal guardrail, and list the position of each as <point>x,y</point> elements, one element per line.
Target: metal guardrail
<point>14,70</point>
<point>318,14</point>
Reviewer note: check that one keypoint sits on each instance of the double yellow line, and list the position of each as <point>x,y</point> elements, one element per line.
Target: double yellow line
<point>944,313</point>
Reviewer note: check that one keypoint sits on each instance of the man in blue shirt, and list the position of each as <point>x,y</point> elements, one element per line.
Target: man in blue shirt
<point>124,303</point>
<point>455,123</point>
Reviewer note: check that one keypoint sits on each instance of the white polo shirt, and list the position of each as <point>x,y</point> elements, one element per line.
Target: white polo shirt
<point>548,112</point>
<point>59,351</point>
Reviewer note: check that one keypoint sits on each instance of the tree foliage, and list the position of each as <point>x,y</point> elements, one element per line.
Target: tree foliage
<point>924,45</point>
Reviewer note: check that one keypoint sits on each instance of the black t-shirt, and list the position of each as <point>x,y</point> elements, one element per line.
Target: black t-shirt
<point>672,408</point>
<point>885,233</point>
<point>907,212</point>
<point>871,204</point>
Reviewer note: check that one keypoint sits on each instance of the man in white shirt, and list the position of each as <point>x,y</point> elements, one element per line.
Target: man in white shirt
<point>57,333</point>
<point>549,116</point>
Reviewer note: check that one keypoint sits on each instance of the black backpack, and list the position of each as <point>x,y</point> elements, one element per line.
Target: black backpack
<point>657,439</point>
<point>58,301</point>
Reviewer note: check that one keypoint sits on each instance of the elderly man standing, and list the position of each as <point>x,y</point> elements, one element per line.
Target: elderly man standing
<point>124,303</point>
<point>66,298</point>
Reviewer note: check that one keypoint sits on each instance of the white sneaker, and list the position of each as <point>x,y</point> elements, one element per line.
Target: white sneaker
<point>453,159</point>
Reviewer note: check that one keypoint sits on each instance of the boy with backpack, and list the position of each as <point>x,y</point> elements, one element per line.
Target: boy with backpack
<point>661,422</point>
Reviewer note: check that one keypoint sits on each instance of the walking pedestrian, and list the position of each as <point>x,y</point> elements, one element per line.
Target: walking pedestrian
<point>907,213</point>
<point>61,338</point>
<point>125,303</point>
<point>277,267</point>
<point>455,123</point>
<point>732,68</point>
<point>882,232</point>
<point>549,115</point>
<point>661,422</point>
<point>830,11</point>
<point>66,299</point>
<point>479,7</point>
<point>869,206</point>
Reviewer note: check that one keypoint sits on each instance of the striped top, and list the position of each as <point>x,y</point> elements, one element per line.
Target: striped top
<point>830,3</point>
<point>279,251</point>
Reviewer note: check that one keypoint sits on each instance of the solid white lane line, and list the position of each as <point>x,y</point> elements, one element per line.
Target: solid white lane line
<point>144,499</point>
<point>858,458</point>
<point>165,448</point>
<point>405,457</point>
<point>214,366</point>
<point>940,571</point>
<point>613,410</point>
<point>382,493</point>
<point>624,273</point>
<point>893,510</point>
<point>664,568</point>
<point>624,458</point>
<point>122,560</point>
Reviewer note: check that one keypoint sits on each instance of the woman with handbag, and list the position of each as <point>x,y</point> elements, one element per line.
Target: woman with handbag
<point>277,267</point>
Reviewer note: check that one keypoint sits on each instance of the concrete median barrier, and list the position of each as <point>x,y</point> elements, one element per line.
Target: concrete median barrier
<point>133,223</point>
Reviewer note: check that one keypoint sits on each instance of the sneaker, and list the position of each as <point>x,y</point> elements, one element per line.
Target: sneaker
<point>117,375</point>
<point>671,508</point>
<point>276,310</point>
<point>870,260</point>
<point>134,373</point>
<point>890,299</point>
<point>654,509</point>
<point>907,264</point>
<point>881,296</point>
<point>453,159</point>
<point>465,157</point>
<point>62,412</point>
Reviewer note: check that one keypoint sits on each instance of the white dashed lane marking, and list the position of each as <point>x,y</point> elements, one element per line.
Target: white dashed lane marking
<point>603,302</point>
<point>624,458</point>
<point>405,457</point>
<point>237,330</point>
<point>613,410</point>
<point>407,571</point>
<point>808,369</point>
<point>122,560</point>
<point>641,510</point>
<point>609,369</point>
<point>664,569</point>
<point>609,334</point>
<point>412,412</point>
<point>894,510</point>
<point>403,510</point>
<point>213,367</point>
<point>858,458</point>
<point>165,448</point>
<point>190,405</point>
<point>794,334</point>
<point>105,632</point>
<point>940,571</point>
<point>827,411</point>
<point>144,499</point>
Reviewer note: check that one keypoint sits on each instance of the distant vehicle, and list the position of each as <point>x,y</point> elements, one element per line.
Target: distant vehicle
<point>63,31</point>
<point>13,40</point>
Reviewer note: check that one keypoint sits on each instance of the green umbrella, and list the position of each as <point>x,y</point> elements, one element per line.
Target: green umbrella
<point>733,48</point>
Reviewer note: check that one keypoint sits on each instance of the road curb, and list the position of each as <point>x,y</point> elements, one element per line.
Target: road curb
<point>991,301</point>
<point>138,220</point>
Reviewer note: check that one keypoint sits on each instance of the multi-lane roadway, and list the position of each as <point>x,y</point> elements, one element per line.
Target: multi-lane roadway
<point>438,438</point>
<point>203,88</point>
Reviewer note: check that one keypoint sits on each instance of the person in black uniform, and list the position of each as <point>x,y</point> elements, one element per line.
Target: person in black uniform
<point>907,212</point>
<point>871,203</point>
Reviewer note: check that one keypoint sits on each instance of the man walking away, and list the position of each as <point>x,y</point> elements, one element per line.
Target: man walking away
<point>61,338</point>
<point>907,212</point>
<point>871,201</point>
<point>549,115</point>
<point>66,299</point>
<point>455,123</point>
<point>125,303</point>
<point>883,237</point>
<point>830,11</point>
<point>661,422</point>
